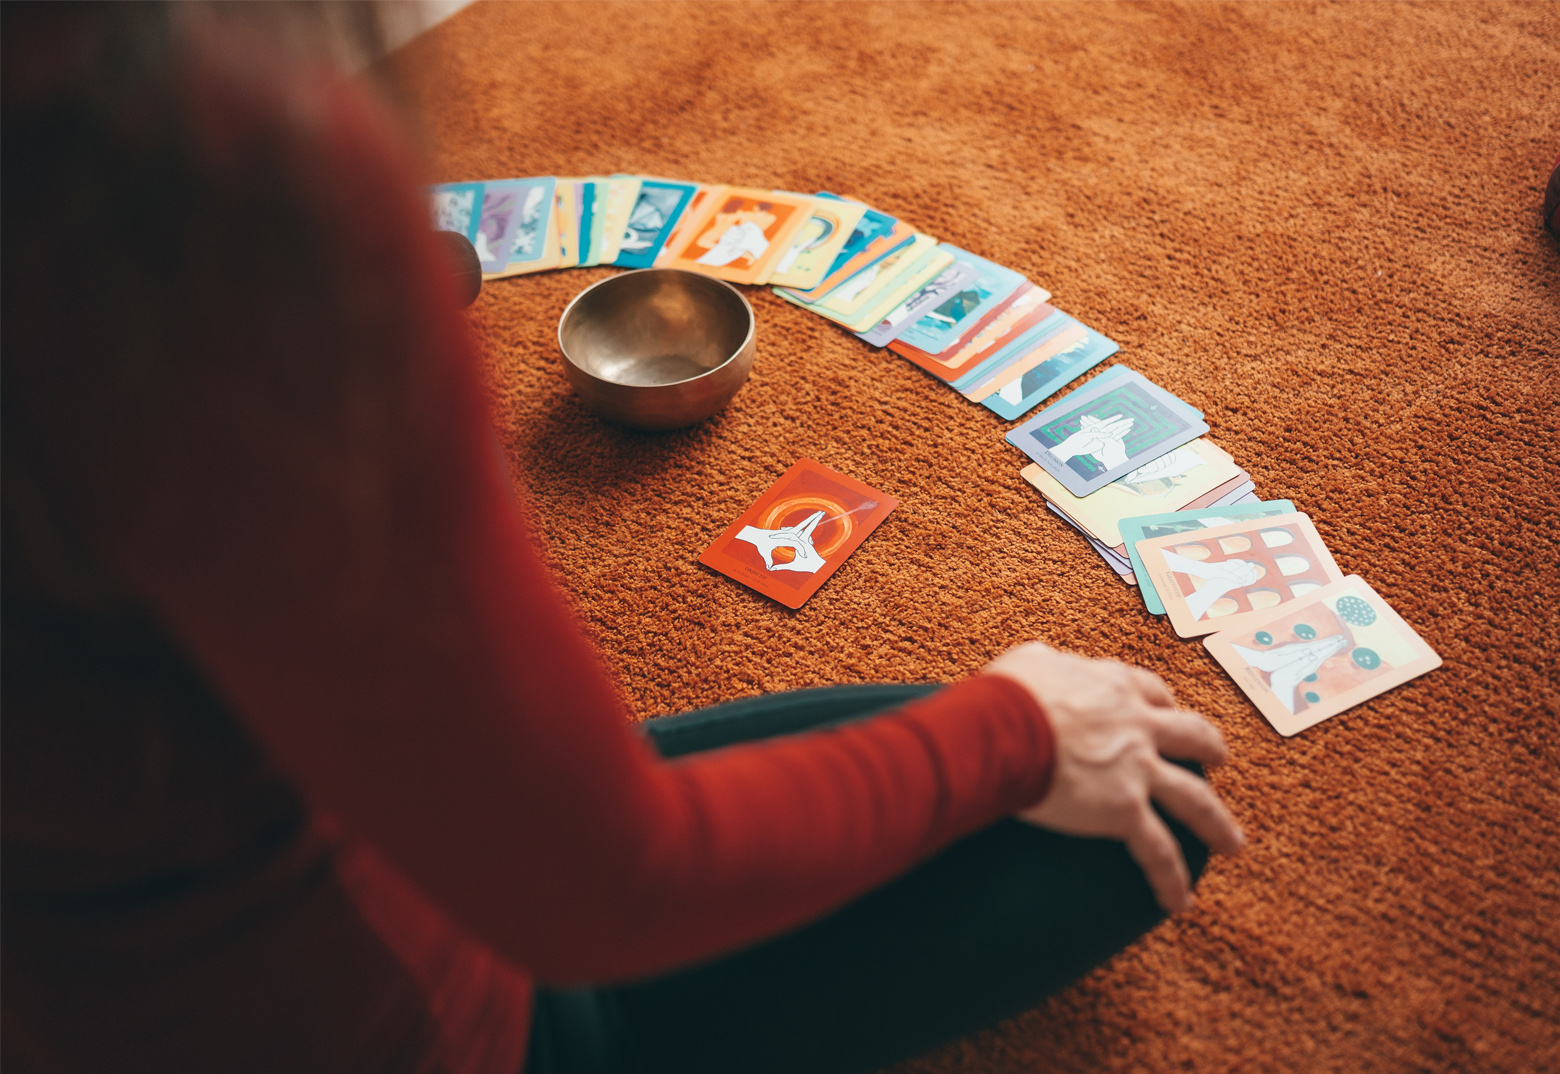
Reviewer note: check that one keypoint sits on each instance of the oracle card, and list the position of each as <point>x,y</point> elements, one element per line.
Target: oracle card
<point>738,236</point>
<point>927,295</point>
<point>1025,307</point>
<point>499,223</point>
<point>566,213</point>
<point>1321,655</point>
<point>457,207</point>
<point>938,327</point>
<point>1042,366</point>
<point>1172,482</point>
<point>798,532</point>
<point>1104,430</point>
<point>862,292</point>
<point>536,236</point>
<point>659,205</point>
<point>1141,527</point>
<point>622,195</point>
<point>586,192</point>
<point>898,235</point>
<point>818,243</point>
<point>693,211</point>
<point>1224,577</point>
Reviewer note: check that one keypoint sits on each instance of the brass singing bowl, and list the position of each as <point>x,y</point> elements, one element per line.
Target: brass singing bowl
<point>657,348</point>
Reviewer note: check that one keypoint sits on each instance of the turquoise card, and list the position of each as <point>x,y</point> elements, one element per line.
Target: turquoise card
<point>1020,396</point>
<point>1142,527</point>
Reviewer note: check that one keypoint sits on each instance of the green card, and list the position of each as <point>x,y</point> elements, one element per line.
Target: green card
<point>1142,527</point>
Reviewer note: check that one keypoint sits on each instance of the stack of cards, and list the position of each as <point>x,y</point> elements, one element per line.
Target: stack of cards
<point>982,329</point>
<point>1121,446</point>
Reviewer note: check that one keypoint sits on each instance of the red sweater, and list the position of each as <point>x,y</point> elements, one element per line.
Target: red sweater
<point>303,513</point>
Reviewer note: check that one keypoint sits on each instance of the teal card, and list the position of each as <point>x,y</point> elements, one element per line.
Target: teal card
<point>1142,527</point>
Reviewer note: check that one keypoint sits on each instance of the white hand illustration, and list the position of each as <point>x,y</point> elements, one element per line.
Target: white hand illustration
<point>798,538</point>
<point>1220,578</point>
<point>739,240</point>
<point>1101,437</point>
<point>1172,464</point>
<point>1288,665</point>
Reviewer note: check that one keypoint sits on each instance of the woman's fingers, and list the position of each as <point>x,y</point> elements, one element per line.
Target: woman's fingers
<point>1151,686</point>
<point>1187,736</point>
<point>1159,856</point>
<point>1191,801</point>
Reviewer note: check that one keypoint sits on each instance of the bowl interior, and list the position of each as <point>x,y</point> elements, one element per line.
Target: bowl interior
<point>655,326</point>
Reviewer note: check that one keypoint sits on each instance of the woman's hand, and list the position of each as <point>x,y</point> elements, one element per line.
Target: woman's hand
<point>1114,726</point>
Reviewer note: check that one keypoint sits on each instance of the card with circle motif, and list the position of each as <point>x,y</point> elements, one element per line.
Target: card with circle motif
<point>1225,577</point>
<point>1316,657</point>
<point>799,532</point>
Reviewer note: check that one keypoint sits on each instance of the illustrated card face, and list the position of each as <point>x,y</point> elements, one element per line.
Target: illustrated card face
<point>819,242</point>
<point>869,234</point>
<point>1144,527</point>
<point>1104,430</point>
<point>899,235</point>
<point>566,213</point>
<point>937,328</point>
<point>798,532</point>
<point>923,270</point>
<point>457,207</point>
<point>694,210</point>
<point>738,236</point>
<point>1225,577</point>
<point>1172,482</point>
<point>846,301</point>
<point>966,356</point>
<point>499,223</point>
<point>622,195</point>
<point>587,211</point>
<point>1322,655</point>
<point>1043,367</point>
<point>659,205</point>
<point>923,298</point>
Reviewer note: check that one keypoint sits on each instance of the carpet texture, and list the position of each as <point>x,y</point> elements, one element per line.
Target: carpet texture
<point>1319,223</point>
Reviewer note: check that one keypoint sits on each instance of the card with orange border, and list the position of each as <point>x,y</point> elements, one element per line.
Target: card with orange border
<point>1321,655</point>
<point>742,234</point>
<point>1226,577</point>
<point>799,532</point>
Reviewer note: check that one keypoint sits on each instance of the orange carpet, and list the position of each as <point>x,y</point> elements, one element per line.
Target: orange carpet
<point>1319,223</point>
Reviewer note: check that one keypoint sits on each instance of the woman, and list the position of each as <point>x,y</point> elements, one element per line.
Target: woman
<point>308,766</point>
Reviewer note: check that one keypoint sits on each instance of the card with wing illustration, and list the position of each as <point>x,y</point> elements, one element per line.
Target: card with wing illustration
<point>1316,657</point>
<point>799,532</point>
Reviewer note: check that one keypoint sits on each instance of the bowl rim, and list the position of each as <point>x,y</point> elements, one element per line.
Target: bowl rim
<point>752,327</point>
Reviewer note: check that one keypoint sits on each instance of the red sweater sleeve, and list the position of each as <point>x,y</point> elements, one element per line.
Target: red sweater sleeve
<point>318,511</point>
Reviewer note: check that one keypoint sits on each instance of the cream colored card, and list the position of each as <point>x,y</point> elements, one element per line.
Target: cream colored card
<point>817,244</point>
<point>1168,483</point>
<point>1322,655</point>
<point>622,192</point>
<point>911,280</point>
<point>1225,577</point>
<point>567,219</point>
<point>860,293</point>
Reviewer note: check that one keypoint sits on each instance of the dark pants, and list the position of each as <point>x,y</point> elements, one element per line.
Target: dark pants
<point>984,930</point>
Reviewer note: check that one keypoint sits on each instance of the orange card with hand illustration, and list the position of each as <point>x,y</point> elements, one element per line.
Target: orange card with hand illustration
<point>740,235</point>
<point>799,532</point>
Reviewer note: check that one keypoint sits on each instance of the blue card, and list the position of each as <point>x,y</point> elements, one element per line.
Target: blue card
<point>1105,429</point>
<point>1022,394</point>
<point>537,205</point>
<point>1142,527</point>
<point>651,220</point>
<point>1006,354</point>
<point>939,327</point>
<point>587,209</point>
<point>457,207</point>
<point>872,226</point>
